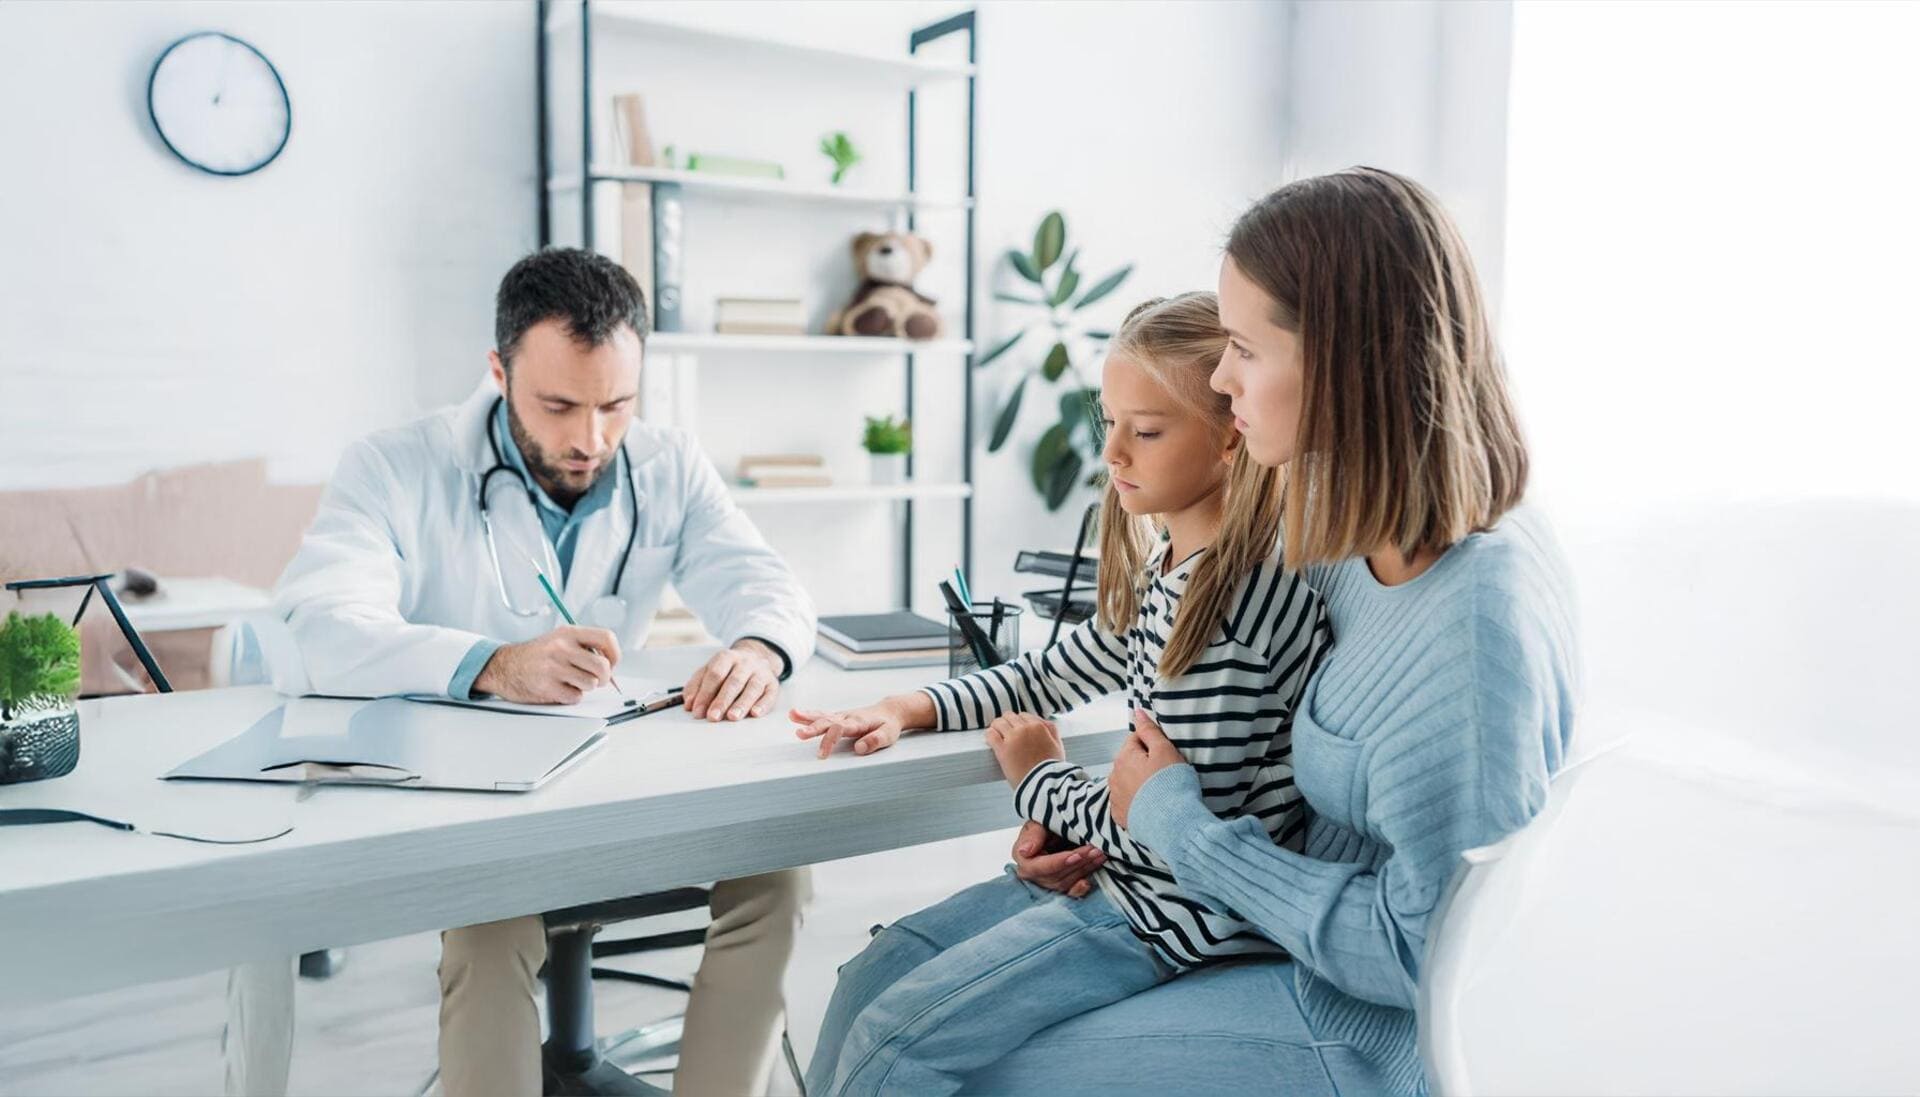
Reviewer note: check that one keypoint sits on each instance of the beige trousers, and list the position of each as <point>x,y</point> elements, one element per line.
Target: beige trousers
<point>490,1029</point>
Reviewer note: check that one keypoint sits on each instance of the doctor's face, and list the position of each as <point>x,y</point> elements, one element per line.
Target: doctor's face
<point>569,405</point>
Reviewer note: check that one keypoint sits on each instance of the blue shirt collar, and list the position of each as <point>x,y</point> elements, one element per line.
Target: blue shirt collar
<point>599,495</point>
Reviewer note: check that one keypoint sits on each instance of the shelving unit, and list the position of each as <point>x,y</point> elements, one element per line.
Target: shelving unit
<point>764,189</point>
<point>572,25</point>
<point>804,344</point>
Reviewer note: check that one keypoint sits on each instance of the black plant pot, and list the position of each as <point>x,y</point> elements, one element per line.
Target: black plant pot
<point>40,744</point>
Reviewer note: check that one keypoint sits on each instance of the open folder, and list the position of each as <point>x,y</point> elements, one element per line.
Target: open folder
<point>400,743</point>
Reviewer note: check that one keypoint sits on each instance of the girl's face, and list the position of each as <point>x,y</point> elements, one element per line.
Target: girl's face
<point>1260,370</point>
<point>1161,456</point>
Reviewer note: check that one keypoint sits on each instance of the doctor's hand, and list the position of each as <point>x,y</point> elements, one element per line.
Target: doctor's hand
<point>736,683</point>
<point>556,669</point>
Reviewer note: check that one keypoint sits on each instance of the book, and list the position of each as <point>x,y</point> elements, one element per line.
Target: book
<point>669,254</point>
<point>759,316</point>
<point>734,165</point>
<point>871,632</point>
<point>784,470</point>
<point>632,140</point>
<point>880,660</point>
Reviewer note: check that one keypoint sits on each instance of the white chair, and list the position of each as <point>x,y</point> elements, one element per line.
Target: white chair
<point>1719,896</point>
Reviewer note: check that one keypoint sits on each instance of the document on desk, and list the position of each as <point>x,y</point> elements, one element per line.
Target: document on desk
<point>395,743</point>
<point>636,697</point>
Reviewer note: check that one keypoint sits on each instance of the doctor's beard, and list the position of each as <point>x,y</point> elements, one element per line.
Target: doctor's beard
<point>564,486</point>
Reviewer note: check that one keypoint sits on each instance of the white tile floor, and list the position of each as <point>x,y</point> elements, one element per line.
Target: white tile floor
<point>371,1029</point>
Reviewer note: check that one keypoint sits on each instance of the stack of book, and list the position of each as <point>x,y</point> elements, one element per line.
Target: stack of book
<point>784,470</point>
<point>759,316</point>
<point>875,641</point>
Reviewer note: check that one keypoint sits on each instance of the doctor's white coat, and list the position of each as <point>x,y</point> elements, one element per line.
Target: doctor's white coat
<point>393,583</point>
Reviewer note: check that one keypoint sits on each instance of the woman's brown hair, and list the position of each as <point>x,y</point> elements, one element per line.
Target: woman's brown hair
<point>1407,435</point>
<point>1177,341</point>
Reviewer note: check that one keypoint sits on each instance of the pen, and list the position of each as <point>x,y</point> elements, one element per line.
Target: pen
<point>541,574</point>
<point>998,611</point>
<point>960,584</point>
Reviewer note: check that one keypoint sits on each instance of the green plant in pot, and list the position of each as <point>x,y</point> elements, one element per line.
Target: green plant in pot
<point>887,442</point>
<point>1072,444</point>
<point>39,677</point>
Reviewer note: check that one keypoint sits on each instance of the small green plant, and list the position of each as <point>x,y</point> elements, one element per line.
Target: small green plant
<point>838,147</point>
<point>888,435</point>
<point>39,662</point>
<point>1072,443</point>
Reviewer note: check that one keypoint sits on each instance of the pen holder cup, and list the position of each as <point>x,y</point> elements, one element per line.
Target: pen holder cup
<point>1002,641</point>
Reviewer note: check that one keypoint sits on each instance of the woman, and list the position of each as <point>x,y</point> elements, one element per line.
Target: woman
<point>1360,359</point>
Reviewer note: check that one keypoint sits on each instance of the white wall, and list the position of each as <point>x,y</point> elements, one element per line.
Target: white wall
<point>1414,86</point>
<point>153,315</point>
<point>349,284</point>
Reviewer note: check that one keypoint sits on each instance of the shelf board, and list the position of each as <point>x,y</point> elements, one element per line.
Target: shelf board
<point>803,344</point>
<point>850,493</point>
<point>752,50</point>
<point>749,187</point>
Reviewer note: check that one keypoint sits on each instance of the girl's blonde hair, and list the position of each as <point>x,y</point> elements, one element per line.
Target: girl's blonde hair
<point>1178,341</point>
<point>1407,435</point>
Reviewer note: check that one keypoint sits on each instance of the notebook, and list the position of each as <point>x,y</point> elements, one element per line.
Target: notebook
<point>881,660</point>
<point>897,631</point>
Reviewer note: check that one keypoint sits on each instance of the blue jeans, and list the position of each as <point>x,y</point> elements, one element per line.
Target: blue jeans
<point>970,1004</point>
<point>1234,1028</point>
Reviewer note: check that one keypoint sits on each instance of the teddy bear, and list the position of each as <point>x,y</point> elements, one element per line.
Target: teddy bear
<point>886,303</point>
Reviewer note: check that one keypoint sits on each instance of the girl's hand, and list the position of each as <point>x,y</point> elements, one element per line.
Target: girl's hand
<point>1039,857</point>
<point>1020,742</point>
<point>869,728</point>
<point>1146,752</point>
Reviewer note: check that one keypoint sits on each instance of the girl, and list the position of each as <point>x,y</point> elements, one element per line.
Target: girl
<point>1199,625</point>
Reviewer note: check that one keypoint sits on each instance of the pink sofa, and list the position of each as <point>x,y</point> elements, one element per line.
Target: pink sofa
<point>203,520</point>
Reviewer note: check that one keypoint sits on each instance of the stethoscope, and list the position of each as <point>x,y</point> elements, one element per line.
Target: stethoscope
<point>552,565</point>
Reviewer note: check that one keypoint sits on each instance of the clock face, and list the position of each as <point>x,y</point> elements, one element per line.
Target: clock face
<point>218,104</point>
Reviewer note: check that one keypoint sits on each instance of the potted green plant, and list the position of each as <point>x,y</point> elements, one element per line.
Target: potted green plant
<point>839,148</point>
<point>888,441</point>
<point>39,678</point>
<point>1072,444</point>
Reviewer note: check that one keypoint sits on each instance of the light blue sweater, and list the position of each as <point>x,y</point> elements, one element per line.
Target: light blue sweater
<point>1432,727</point>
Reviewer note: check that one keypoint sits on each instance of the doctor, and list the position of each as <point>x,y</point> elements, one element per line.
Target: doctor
<point>421,574</point>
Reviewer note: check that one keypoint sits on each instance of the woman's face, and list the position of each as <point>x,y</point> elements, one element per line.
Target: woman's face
<point>1260,370</point>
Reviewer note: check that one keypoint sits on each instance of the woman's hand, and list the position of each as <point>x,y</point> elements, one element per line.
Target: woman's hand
<point>1146,752</point>
<point>1021,741</point>
<point>870,727</point>
<point>1041,858</point>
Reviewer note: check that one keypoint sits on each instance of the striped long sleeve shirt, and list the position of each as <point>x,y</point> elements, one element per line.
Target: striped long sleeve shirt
<point>1231,715</point>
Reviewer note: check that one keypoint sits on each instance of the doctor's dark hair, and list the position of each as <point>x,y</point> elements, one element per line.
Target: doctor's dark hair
<point>592,294</point>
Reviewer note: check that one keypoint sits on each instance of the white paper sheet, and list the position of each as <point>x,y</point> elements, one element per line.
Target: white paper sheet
<point>602,704</point>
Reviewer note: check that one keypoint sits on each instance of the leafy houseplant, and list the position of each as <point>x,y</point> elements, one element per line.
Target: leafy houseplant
<point>1073,442</point>
<point>838,147</point>
<point>39,676</point>
<point>887,442</point>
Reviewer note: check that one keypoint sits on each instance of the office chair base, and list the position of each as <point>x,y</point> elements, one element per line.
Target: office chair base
<point>654,1046</point>
<point>599,1078</point>
<point>324,964</point>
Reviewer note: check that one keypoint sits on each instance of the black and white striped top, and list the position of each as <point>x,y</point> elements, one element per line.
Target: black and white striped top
<point>1231,715</point>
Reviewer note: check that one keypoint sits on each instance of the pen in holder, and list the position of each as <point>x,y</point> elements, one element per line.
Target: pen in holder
<point>998,625</point>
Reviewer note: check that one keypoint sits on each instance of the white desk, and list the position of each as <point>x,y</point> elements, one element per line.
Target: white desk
<point>667,801</point>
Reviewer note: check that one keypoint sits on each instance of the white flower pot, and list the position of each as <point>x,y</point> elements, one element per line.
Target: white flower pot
<point>888,468</point>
